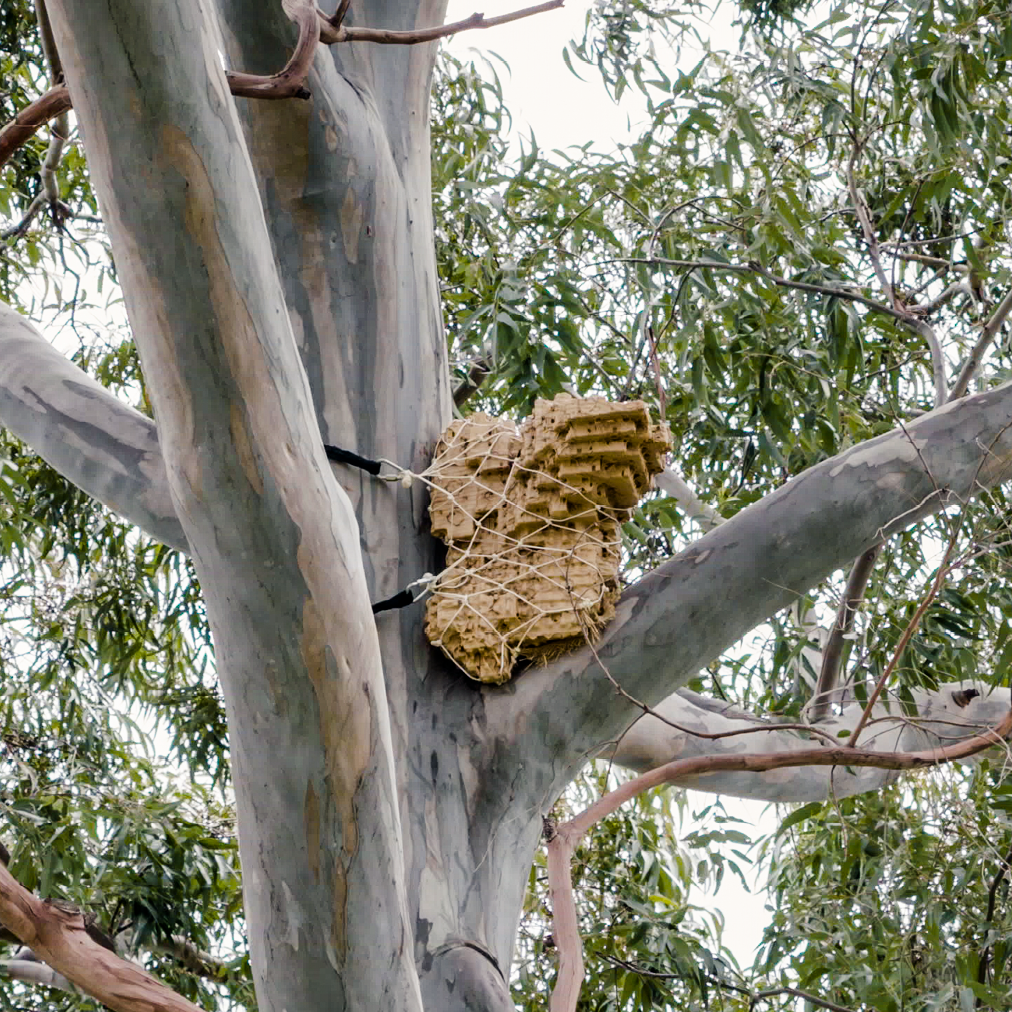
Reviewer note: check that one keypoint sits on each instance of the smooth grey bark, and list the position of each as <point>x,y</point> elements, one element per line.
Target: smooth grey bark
<point>380,803</point>
<point>31,971</point>
<point>346,188</point>
<point>272,537</point>
<point>100,444</point>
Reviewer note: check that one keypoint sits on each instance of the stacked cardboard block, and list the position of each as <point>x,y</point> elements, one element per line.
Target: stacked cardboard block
<point>531,520</point>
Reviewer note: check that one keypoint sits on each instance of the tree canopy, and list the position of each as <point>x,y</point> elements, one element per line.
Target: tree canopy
<point>806,249</point>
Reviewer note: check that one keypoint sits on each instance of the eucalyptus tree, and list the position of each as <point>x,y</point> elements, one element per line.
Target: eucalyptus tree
<point>802,265</point>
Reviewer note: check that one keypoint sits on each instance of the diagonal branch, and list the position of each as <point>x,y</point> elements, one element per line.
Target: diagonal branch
<point>755,268</point>
<point>832,655</point>
<point>60,939</point>
<point>103,446</point>
<point>24,126</point>
<point>690,609</point>
<point>868,230</point>
<point>59,134</point>
<point>987,334</point>
<point>479,367</point>
<point>671,483</point>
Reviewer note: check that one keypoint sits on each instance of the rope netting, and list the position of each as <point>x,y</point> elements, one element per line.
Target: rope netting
<point>531,517</point>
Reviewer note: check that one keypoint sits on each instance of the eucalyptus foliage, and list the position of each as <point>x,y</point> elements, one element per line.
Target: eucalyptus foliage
<point>642,270</point>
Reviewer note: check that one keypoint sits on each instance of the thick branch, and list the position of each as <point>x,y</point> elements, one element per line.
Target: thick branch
<point>685,613</point>
<point>274,539</point>
<point>101,445</point>
<point>60,939</point>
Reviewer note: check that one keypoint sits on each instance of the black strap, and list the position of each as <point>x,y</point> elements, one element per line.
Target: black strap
<point>401,600</point>
<point>347,457</point>
<point>404,597</point>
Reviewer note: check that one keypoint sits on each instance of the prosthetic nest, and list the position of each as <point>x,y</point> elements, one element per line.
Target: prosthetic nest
<point>531,520</point>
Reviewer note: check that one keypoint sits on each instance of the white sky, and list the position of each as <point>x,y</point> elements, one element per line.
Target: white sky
<point>542,93</point>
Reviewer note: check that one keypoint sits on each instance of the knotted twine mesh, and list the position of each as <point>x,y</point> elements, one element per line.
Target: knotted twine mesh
<point>531,518</point>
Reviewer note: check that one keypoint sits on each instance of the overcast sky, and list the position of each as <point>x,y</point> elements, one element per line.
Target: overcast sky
<point>540,91</point>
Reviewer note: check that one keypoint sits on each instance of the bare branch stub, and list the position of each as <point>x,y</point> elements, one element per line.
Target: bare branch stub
<point>337,18</point>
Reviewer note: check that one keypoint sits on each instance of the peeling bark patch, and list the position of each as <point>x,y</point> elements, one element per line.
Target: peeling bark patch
<point>881,451</point>
<point>702,556</point>
<point>243,449</point>
<point>351,224</point>
<point>345,764</point>
<point>278,148</point>
<point>312,818</point>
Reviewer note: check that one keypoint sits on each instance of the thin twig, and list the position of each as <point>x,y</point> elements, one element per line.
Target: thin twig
<point>992,895</point>
<point>929,261</point>
<point>754,268</point>
<point>915,620</point>
<point>773,992</point>
<point>479,368</point>
<point>388,37</point>
<point>752,996</point>
<point>853,594</point>
<point>864,217</point>
<point>987,335</point>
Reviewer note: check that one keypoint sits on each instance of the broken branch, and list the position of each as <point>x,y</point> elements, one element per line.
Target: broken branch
<point>60,938</point>
<point>290,82</point>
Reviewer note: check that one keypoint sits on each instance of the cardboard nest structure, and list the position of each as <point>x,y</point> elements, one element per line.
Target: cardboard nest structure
<point>531,521</point>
